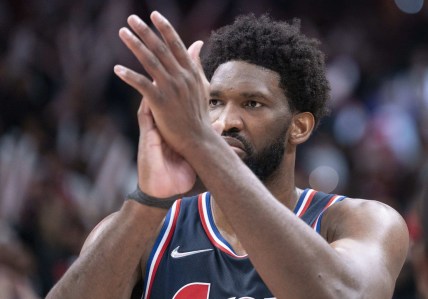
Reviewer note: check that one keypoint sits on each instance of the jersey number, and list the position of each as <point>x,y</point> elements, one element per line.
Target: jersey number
<point>195,290</point>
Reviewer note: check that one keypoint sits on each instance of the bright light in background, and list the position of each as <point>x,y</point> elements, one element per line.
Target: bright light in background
<point>410,6</point>
<point>324,178</point>
<point>327,168</point>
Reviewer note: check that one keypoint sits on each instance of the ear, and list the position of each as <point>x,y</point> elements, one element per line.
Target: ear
<point>301,127</point>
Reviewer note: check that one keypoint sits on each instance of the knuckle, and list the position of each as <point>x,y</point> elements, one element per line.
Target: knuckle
<point>143,29</point>
<point>194,73</point>
<point>165,24</point>
<point>161,49</point>
<point>188,79</point>
<point>176,87</point>
<point>140,81</point>
<point>141,47</point>
<point>140,84</point>
<point>153,62</point>
<point>178,45</point>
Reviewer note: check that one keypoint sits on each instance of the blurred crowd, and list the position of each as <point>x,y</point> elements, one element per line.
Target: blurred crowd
<point>68,130</point>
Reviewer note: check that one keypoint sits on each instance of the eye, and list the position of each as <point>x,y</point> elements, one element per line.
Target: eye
<point>214,103</point>
<point>253,104</point>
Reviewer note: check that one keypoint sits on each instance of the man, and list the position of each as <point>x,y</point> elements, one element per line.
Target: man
<point>249,236</point>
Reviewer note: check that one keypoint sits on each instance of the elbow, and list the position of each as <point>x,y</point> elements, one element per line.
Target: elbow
<point>355,287</point>
<point>337,287</point>
<point>340,290</point>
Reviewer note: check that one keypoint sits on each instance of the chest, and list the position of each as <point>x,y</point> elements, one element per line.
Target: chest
<point>192,259</point>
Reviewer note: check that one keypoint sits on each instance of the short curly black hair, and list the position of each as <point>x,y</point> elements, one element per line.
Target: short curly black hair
<point>278,46</point>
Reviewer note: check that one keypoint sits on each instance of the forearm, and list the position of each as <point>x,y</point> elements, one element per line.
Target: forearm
<point>292,259</point>
<point>107,267</point>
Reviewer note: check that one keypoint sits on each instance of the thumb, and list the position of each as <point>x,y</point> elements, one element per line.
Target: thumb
<point>218,126</point>
<point>145,117</point>
<point>194,50</point>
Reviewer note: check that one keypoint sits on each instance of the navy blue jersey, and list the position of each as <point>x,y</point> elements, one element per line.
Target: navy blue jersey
<point>191,259</point>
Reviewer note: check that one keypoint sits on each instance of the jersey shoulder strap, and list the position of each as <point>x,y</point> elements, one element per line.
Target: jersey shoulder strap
<point>312,204</point>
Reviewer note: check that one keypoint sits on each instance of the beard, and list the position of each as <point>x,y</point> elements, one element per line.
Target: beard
<point>265,162</point>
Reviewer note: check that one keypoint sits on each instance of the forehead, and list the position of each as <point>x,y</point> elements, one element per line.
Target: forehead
<point>244,76</point>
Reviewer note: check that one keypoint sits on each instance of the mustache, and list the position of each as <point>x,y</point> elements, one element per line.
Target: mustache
<point>247,146</point>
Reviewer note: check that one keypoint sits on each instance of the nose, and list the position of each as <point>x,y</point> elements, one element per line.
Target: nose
<point>229,119</point>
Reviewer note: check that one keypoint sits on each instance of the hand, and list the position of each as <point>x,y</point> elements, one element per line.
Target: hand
<point>161,171</point>
<point>179,98</point>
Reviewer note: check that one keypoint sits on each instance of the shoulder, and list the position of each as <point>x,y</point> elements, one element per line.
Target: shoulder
<point>371,225</point>
<point>356,214</point>
<point>362,212</point>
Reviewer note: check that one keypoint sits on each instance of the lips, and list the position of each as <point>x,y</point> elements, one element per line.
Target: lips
<point>236,145</point>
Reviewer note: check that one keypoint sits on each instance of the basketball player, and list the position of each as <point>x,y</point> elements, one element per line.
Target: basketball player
<point>254,234</point>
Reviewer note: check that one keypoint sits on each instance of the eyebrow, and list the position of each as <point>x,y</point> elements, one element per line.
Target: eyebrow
<point>252,94</point>
<point>215,93</point>
<point>255,94</point>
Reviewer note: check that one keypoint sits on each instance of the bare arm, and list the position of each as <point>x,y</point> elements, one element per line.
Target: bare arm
<point>373,240</point>
<point>109,264</point>
<point>367,250</point>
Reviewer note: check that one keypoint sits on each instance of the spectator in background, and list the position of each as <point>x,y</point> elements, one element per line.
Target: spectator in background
<point>17,266</point>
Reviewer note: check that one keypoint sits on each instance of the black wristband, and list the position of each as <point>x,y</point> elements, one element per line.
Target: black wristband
<point>145,199</point>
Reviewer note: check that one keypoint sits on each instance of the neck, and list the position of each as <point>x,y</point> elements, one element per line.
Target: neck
<point>282,186</point>
<point>282,183</point>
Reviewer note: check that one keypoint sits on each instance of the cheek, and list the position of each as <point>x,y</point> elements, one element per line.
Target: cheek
<point>269,132</point>
<point>214,114</point>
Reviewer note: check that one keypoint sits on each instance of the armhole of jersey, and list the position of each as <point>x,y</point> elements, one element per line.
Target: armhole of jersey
<point>159,247</point>
<point>334,199</point>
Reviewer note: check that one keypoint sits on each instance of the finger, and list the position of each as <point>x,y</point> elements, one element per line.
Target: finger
<point>154,44</point>
<point>145,117</point>
<point>149,61</point>
<point>172,39</point>
<point>218,127</point>
<point>194,52</point>
<point>139,82</point>
<point>146,108</point>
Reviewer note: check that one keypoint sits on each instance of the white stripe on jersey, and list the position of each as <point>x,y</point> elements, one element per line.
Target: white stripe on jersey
<point>211,230</point>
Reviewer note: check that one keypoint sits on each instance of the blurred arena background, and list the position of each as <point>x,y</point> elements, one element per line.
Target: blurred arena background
<point>68,130</point>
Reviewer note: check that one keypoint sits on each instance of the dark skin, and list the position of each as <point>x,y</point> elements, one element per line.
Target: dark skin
<point>362,245</point>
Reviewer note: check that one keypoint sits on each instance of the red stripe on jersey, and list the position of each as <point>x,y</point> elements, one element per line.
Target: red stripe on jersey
<point>205,225</point>
<point>308,202</point>
<point>164,246</point>
<point>330,202</point>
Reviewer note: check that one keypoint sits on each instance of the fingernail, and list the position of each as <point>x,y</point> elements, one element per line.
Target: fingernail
<point>123,31</point>
<point>136,20</point>
<point>156,15</point>
<point>133,17</point>
<point>118,69</point>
